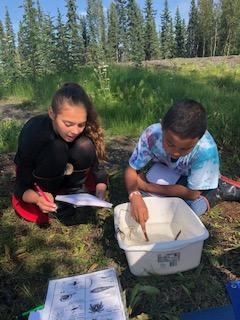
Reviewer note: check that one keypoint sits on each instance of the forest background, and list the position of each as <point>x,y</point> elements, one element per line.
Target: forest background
<point>46,45</point>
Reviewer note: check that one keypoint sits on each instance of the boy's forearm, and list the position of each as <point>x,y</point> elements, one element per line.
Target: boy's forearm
<point>131,177</point>
<point>169,190</point>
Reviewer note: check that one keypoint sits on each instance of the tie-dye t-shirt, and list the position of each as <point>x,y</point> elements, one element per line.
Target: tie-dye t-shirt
<point>201,165</point>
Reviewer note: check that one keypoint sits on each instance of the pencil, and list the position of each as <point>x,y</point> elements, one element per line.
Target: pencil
<point>43,194</point>
<point>40,191</point>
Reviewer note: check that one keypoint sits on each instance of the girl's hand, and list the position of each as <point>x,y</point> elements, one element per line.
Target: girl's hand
<point>101,190</point>
<point>46,205</point>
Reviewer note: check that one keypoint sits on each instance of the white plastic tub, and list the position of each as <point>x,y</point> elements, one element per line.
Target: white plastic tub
<point>162,254</point>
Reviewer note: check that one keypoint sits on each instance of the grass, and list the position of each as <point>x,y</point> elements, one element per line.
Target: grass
<point>131,98</point>
<point>30,256</point>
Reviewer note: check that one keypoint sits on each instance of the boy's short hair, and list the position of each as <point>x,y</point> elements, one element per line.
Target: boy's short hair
<point>186,118</point>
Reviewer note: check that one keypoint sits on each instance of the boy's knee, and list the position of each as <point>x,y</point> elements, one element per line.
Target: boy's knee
<point>199,205</point>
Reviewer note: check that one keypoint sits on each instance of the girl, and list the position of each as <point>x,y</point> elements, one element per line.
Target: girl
<point>68,137</point>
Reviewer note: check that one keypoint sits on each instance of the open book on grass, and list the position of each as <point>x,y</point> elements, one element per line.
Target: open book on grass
<point>83,199</point>
<point>95,295</point>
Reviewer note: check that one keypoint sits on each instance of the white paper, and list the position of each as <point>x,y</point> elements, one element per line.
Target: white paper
<point>83,199</point>
<point>91,296</point>
<point>161,174</point>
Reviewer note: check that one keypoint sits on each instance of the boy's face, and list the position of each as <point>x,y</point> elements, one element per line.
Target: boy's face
<point>176,146</point>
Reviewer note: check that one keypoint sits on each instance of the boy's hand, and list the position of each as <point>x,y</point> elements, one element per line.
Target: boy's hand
<point>139,210</point>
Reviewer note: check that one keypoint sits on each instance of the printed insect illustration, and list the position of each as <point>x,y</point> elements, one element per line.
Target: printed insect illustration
<point>74,308</point>
<point>65,297</point>
<point>97,307</point>
<point>99,289</point>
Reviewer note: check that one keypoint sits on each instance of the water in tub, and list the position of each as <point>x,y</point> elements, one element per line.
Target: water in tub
<point>157,232</point>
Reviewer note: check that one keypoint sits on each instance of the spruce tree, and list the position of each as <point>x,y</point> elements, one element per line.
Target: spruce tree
<point>135,33</point>
<point>45,42</point>
<point>123,45</point>
<point>167,36</point>
<point>2,37</point>
<point>61,45</point>
<point>151,41</point>
<point>179,35</point>
<point>40,14</point>
<point>46,46</point>
<point>192,31</point>
<point>85,36</point>
<point>96,31</point>
<point>28,39</point>
<point>113,34</point>
<point>74,36</point>
<point>9,52</point>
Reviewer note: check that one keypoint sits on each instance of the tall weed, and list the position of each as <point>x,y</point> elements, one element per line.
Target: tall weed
<point>9,130</point>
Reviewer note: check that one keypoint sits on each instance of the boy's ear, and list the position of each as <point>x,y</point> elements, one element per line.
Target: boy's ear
<point>51,113</point>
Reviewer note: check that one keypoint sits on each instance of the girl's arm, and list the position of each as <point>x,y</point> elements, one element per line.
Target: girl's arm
<point>101,179</point>
<point>31,196</point>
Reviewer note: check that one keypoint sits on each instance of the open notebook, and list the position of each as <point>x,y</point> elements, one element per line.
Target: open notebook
<point>83,199</point>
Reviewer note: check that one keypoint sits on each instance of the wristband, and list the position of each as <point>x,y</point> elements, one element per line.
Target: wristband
<point>132,193</point>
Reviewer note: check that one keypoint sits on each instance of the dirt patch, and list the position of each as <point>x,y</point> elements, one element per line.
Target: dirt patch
<point>15,110</point>
<point>230,210</point>
<point>231,61</point>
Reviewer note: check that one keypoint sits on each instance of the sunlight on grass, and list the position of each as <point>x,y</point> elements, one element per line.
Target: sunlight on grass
<point>133,98</point>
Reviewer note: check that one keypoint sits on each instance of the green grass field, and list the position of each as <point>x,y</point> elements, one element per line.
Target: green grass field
<point>127,99</point>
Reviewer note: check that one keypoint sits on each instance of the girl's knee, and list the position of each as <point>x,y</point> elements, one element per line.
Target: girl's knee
<point>82,153</point>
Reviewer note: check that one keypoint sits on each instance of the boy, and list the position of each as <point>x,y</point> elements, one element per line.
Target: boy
<point>182,145</point>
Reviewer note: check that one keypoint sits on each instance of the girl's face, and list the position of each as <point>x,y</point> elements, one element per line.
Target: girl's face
<point>70,121</point>
<point>175,146</point>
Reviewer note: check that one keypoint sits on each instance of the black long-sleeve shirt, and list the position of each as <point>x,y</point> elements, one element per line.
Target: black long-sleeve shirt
<point>34,137</point>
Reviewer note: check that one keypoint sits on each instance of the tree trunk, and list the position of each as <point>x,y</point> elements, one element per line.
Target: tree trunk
<point>204,47</point>
<point>227,44</point>
<point>215,42</point>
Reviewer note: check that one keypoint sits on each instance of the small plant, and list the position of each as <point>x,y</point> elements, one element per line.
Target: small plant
<point>136,295</point>
<point>101,73</point>
<point>9,130</point>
